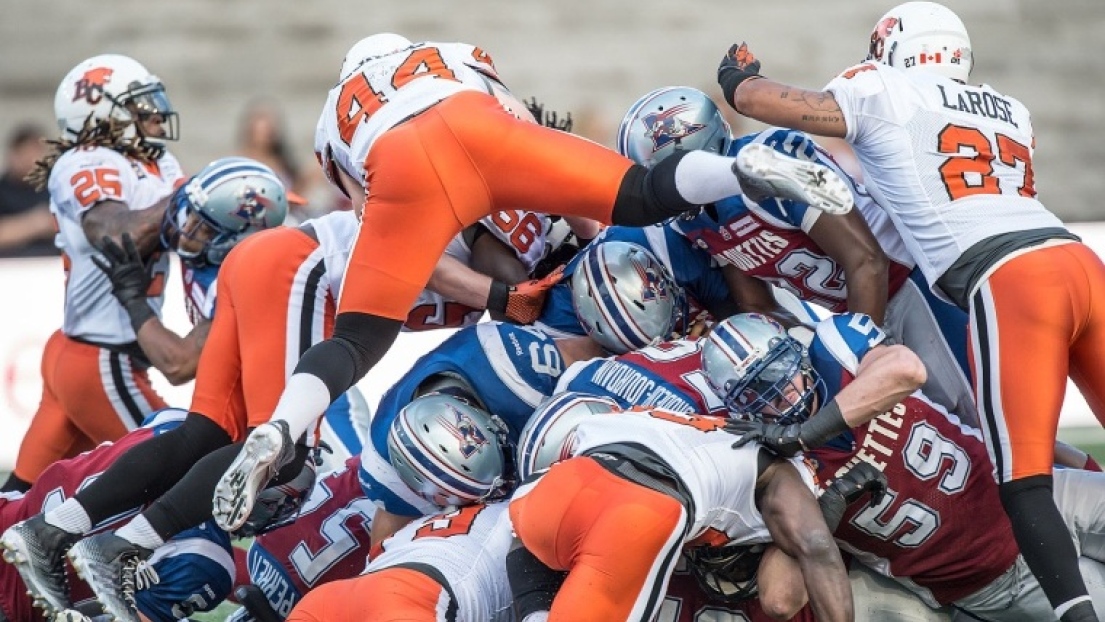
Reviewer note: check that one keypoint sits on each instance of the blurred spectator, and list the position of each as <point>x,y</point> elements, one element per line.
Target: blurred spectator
<point>26,226</point>
<point>263,136</point>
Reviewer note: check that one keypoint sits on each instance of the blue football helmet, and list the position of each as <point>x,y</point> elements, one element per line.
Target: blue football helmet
<point>221,205</point>
<point>759,371</point>
<point>549,435</point>
<point>671,119</point>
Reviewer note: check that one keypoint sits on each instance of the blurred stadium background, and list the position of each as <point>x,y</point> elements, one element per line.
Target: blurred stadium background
<point>593,58</point>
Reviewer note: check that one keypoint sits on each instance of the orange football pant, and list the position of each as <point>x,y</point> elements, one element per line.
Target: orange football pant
<point>272,303</point>
<point>388,595</point>
<point>619,541</point>
<point>89,395</point>
<point>1038,319</point>
<point>446,168</point>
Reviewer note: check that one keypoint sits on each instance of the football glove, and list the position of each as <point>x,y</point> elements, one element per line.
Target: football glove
<point>782,440</point>
<point>129,276</point>
<point>524,302</point>
<point>845,490</point>
<point>550,118</point>
<point>737,66</point>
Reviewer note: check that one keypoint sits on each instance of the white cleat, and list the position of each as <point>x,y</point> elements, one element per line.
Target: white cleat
<point>769,172</point>
<point>268,448</point>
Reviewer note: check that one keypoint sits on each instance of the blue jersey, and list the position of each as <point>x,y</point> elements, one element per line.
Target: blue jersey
<point>840,342</point>
<point>667,375</point>
<point>692,269</point>
<point>199,291</point>
<point>769,239</point>
<point>510,369</point>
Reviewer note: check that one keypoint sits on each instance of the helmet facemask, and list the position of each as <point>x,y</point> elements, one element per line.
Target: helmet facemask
<point>145,103</point>
<point>726,573</point>
<point>781,387</point>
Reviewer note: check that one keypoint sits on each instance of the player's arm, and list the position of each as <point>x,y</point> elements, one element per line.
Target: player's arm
<point>385,524</point>
<point>774,103</point>
<point>797,527</point>
<point>849,241</point>
<point>112,219</point>
<point>174,356</point>
<point>753,295</point>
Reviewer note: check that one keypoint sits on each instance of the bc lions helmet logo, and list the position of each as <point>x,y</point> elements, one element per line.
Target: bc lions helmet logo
<point>666,127</point>
<point>91,85</point>
<point>653,287</point>
<point>252,206</point>
<point>878,37</point>
<point>464,429</point>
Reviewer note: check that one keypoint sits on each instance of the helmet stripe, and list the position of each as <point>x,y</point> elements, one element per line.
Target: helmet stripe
<point>422,459</point>
<point>610,304</point>
<point>550,413</point>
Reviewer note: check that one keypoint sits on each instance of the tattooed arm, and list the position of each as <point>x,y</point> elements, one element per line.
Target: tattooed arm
<point>774,103</point>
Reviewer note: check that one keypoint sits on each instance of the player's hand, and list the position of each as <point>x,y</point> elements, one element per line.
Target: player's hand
<point>549,118</point>
<point>862,478</point>
<point>123,265</point>
<point>738,65</point>
<point>526,300</point>
<point>782,440</point>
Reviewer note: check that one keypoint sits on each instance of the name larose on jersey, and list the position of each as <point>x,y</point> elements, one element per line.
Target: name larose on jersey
<point>941,525</point>
<point>328,541</point>
<point>667,375</point>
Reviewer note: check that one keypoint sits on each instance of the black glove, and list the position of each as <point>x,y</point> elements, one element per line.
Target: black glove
<point>550,118</point>
<point>862,478</point>
<point>783,440</point>
<point>129,275</point>
<point>738,65</point>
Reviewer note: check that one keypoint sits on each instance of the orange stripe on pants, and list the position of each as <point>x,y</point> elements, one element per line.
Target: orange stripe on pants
<point>619,541</point>
<point>260,313</point>
<point>78,410</point>
<point>388,595</point>
<point>1037,319</point>
<point>461,160</point>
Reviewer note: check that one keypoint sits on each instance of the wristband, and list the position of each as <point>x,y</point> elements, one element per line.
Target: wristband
<point>732,79</point>
<point>499,296</point>
<point>825,425</point>
<point>139,312</point>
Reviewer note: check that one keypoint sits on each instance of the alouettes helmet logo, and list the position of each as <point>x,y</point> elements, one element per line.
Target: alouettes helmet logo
<point>252,206</point>
<point>652,286</point>
<point>465,430</point>
<point>91,85</point>
<point>665,127</point>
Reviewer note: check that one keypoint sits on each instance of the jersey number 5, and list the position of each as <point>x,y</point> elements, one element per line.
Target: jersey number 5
<point>358,100</point>
<point>965,176</point>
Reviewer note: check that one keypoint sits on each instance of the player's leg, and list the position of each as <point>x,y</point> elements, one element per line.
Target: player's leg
<point>1087,354</point>
<point>388,595</point>
<point>880,599</point>
<point>618,540</point>
<point>1023,319</point>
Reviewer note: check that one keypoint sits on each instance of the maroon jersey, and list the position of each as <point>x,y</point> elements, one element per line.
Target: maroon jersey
<point>686,602</point>
<point>667,376</point>
<point>941,523</point>
<point>57,483</point>
<point>328,541</point>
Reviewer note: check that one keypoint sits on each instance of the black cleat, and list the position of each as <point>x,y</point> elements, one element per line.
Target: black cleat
<point>110,564</point>
<point>37,550</point>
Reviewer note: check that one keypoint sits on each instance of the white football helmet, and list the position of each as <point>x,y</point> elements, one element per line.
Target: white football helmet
<point>758,370</point>
<point>449,451</point>
<point>671,119</point>
<point>923,35</point>
<point>112,86</point>
<point>549,435</point>
<point>371,47</point>
<point>624,297</point>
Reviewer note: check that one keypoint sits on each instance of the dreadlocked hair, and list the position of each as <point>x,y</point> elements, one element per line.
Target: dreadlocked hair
<point>94,133</point>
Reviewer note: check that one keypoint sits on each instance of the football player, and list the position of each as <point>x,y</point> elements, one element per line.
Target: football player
<point>845,262</point>
<point>952,164</point>
<point>109,174</point>
<point>425,148</point>
<point>194,572</point>
<point>940,529</point>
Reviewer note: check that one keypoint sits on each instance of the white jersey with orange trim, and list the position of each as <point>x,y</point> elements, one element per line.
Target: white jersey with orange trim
<point>80,179</point>
<point>467,549</point>
<point>525,233</point>
<point>951,163</point>
<point>720,480</point>
<point>388,89</point>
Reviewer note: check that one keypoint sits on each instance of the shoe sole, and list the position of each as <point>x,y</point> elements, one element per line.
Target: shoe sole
<point>237,489</point>
<point>798,180</point>
<point>15,552</point>
<point>88,575</point>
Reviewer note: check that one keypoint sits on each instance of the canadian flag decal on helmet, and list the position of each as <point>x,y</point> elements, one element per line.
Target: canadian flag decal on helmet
<point>91,85</point>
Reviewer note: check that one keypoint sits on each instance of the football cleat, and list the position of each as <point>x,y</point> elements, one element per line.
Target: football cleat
<point>766,172</point>
<point>110,564</point>
<point>268,448</point>
<point>37,550</point>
